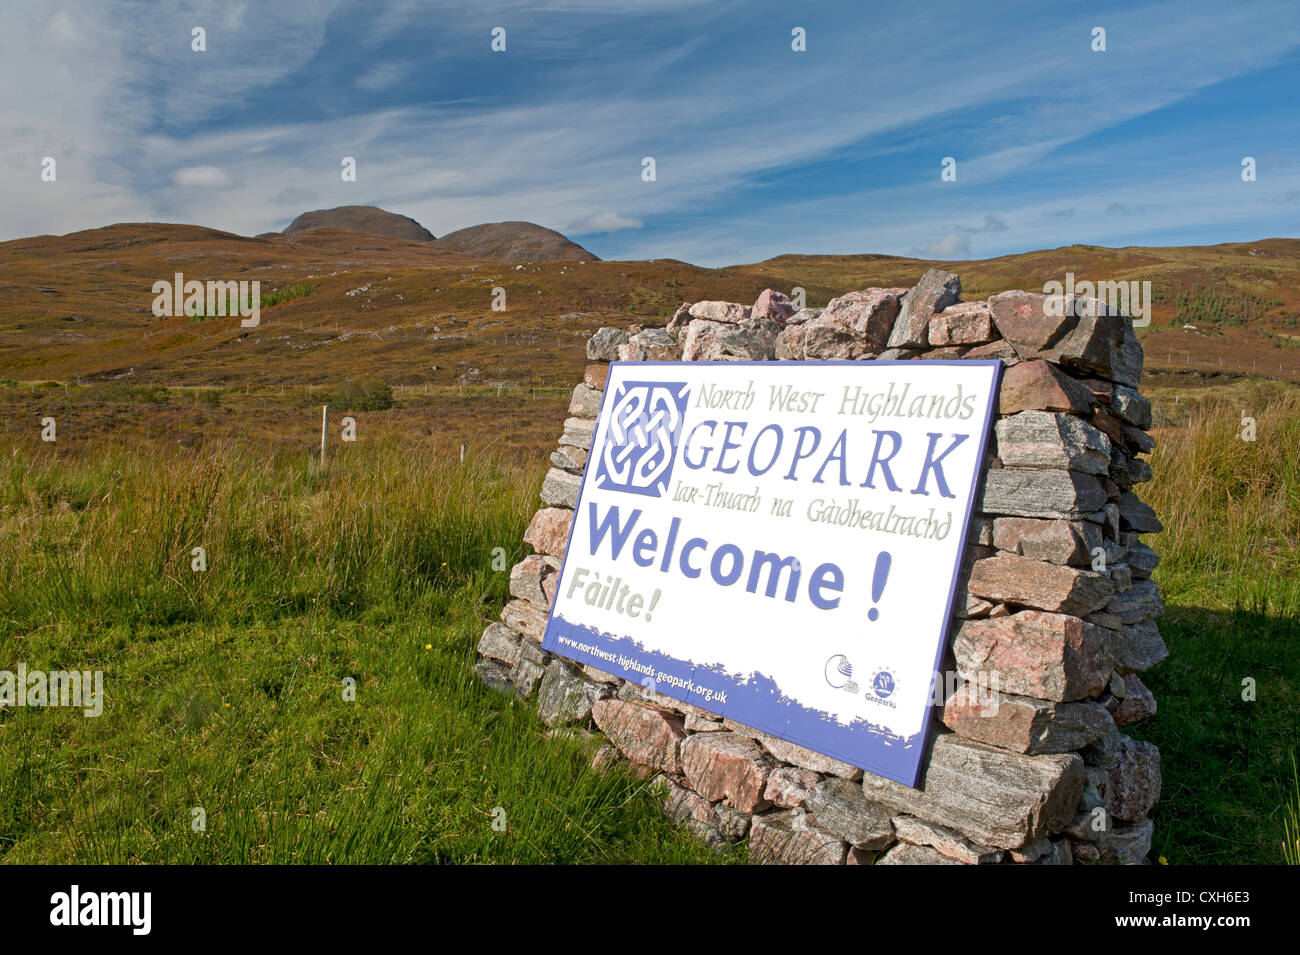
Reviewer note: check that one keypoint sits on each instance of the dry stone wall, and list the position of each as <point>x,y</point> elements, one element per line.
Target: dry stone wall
<point>1056,607</point>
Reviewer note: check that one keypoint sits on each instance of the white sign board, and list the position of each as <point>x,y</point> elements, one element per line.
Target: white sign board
<point>779,543</point>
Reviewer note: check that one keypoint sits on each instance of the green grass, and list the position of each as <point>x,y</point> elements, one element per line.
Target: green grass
<point>1291,819</point>
<point>225,688</point>
<point>288,293</point>
<point>1230,577</point>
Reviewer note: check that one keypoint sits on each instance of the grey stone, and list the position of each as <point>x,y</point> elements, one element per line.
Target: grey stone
<point>578,432</point>
<point>803,315</point>
<point>933,293</point>
<point>1024,724</point>
<point>1137,471</point>
<point>1049,327</point>
<point>1136,516</point>
<point>565,696</point>
<point>1140,602</point>
<point>1046,439</point>
<point>651,344</point>
<point>1126,845</point>
<point>1104,753</point>
<point>1028,492</point>
<point>499,642</point>
<point>786,838</point>
<point>1132,785</point>
<point>840,808</point>
<point>733,823</point>
<point>533,653</point>
<point>703,340</point>
<point>603,346</point>
<point>525,675</point>
<point>1058,853</point>
<point>1132,407</point>
<point>907,854</point>
<point>797,755</point>
<point>949,842</point>
<point>789,344</point>
<point>852,325</point>
<point>1142,560</point>
<point>1046,656</point>
<point>568,458</point>
<point>585,402</point>
<point>494,676</point>
<point>743,345</point>
<point>691,810</point>
<point>991,797</point>
<point>726,312</point>
<point>560,488</point>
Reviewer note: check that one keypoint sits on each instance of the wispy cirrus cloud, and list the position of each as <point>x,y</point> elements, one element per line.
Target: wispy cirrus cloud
<point>758,149</point>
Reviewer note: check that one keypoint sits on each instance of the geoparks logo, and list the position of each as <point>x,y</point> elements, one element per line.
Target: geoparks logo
<point>645,426</point>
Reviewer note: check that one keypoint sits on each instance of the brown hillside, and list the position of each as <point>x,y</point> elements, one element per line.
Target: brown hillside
<point>338,305</point>
<point>362,219</point>
<point>341,306</point>
<point>515,242</point>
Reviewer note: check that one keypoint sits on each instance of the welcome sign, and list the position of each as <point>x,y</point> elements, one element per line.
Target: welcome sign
<point>779,543</point>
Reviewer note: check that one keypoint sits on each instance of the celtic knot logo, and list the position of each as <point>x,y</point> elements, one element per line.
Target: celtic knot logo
<point>645,425</point>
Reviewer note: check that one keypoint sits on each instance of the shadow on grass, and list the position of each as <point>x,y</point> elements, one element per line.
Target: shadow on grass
<point>1228,702</point>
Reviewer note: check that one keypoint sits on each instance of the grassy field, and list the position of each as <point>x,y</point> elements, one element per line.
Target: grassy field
<point>1230,577</point>
<point>225,688</point>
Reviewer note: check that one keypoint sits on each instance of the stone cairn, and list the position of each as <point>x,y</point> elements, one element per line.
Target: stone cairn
<point>1055,606</point>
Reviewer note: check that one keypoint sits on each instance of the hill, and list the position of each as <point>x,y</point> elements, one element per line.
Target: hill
<point>515,242</point>
<point>370,219</point>
<point>336,305</point>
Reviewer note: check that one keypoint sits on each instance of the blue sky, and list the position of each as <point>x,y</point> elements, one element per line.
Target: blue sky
<point>759,149</point>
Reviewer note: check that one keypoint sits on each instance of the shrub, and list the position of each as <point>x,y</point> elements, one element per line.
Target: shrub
<point>364,394</point>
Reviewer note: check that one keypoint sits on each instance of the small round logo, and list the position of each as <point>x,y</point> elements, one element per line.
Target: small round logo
<point>839,671</point>
<point>882,684</point>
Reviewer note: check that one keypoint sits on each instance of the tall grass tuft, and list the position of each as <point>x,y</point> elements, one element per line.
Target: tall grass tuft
<point>309,697</point>
<point>111,539</point>
<point>1230,579</point>
<point>1231,507</point>
<point>1291,819</point>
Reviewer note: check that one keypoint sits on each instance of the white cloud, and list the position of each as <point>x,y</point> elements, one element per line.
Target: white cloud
<point>603,222</point>
<point>382,76</point>
<point>208,177</point>
<point>954,245</point>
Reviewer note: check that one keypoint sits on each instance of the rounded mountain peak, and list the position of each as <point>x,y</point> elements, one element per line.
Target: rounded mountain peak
<point>370,219</point>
